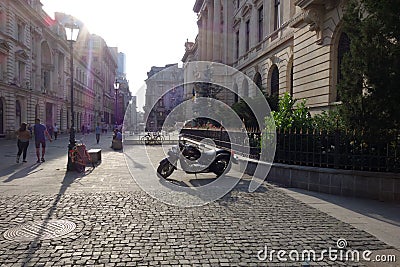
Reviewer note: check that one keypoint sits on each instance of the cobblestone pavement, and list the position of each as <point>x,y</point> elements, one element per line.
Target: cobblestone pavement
<point>117,224</point>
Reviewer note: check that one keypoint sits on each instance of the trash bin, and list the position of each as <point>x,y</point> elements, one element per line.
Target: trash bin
<point>117,144</point>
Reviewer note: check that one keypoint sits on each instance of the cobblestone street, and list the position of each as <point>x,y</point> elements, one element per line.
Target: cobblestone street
<point>115,223</point>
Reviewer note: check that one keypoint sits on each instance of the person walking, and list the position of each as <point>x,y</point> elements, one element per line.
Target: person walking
<point>98,132</point>
<point>50,130</point>
<point>55,130</point>
<point>41,133</point>
<point>23,136</point>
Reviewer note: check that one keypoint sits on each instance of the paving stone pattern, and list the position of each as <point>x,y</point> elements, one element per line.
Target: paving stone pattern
<point>117,224</point>
<point>133,229</point>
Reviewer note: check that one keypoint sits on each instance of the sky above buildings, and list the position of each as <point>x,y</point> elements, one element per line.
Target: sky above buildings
<point>149,32</point>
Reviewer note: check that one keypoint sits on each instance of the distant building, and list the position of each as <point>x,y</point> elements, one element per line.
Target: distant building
<point>164,92</point>
<point>123,96</point>
<point>131,122</point>
<point>121,65</point>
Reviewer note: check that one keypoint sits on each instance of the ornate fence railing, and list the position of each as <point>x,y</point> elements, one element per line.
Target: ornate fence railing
<point>341,150</point>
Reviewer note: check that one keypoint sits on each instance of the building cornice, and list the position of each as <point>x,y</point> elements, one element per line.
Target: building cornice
<point>313,13</point>
<point>197,5</point>
<point>328,4</point>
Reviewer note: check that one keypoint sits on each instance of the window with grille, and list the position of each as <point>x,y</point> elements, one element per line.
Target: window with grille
<point>277,11</point>
<point>260,24</point>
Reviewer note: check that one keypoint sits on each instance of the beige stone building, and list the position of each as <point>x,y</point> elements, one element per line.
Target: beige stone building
<point>292,46</point>
<point>163,93</point>
<point>35,73</point>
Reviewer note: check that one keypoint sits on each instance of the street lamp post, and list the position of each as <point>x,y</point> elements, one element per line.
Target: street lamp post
<point>72,31</point>
<point>116,87</point>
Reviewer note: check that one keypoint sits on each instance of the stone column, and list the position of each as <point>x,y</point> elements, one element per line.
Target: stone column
<point>54,78</point>
<point>38,82</point>
<point>203,37</point>
<point>210,15</point>
<point>217,31</point>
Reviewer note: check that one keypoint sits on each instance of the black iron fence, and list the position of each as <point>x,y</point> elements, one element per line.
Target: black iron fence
<point>342,150</point>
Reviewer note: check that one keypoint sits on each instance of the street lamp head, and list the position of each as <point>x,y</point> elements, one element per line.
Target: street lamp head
<point>72,31</point>
<point>116,85</point>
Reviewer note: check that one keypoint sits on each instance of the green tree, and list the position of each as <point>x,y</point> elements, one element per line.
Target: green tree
<point>246,114</point>
<point>369,87</point>
<point>328,121</point>
<point>292,115</point>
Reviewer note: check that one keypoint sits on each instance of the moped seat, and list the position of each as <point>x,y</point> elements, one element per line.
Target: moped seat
<point>209,153</point>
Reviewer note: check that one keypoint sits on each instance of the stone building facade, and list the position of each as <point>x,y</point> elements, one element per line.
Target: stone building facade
<point>123,95</point>
<point>35,73</point>
<point>292,46</point>
<point>164,92</point>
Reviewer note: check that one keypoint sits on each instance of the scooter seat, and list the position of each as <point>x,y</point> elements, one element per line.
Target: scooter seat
<point>210,153</point>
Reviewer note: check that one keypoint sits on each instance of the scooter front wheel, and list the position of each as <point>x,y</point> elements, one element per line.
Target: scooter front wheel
<point>165,169</point>
<point>221,166</point>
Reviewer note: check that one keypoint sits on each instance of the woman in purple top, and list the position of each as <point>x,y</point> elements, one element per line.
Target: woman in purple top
<point>41,133</point>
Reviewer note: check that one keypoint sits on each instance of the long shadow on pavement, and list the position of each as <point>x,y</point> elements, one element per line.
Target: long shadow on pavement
<point>242,185</point>
<point>22,173</point>
<point>69,178</point>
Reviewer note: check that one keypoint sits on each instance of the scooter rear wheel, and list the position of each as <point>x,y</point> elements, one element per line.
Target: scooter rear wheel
<point>165,169</point>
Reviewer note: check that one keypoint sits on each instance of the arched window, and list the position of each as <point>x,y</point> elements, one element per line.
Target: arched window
<point>236,91</point>
<point>275,80</point>
<point>289,77</point>
<point>258,82</point>
<point>343,48</point>
<point>245,87</point>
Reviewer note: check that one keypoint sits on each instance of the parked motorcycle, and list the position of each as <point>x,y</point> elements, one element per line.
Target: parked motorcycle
<point>193,160</point>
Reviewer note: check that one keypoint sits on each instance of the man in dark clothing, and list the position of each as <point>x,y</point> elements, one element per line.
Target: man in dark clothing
<point>41,133</point>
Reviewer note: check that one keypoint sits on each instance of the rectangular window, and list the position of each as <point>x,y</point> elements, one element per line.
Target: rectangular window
<point>277,14</point>
<point>2,67</point>
<point>21,72</point>
<point>247,35</point>
<point>237,45</point>
<point>46,81</point>
<point>20,32</point>
<point>260,24</point>
<point>237,3</point>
